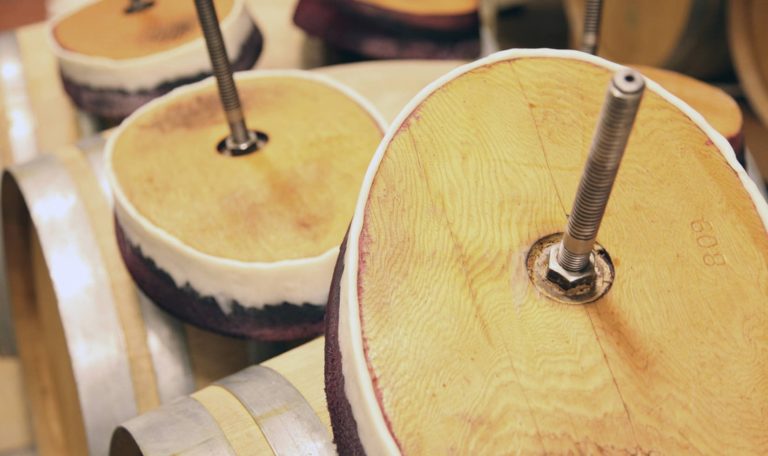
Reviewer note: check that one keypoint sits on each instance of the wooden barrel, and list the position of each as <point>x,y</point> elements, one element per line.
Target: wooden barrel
<point>718,108</point>
<point>94,352</point>
<point>687,36</point>
<point>386,29</point>
<point>366,78</point>
<point>439,338</point>
<point>35,113</point>
<point>276,408</point>
<point>550,378</point>
<point>749,46</point>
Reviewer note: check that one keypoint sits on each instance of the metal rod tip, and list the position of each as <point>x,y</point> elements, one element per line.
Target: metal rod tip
<point>628,82</point>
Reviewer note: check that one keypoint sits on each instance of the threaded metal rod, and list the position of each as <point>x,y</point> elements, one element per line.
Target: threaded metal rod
<point>240,137</point>
<point>591,31</point>
<point>138,5</point>
<point>614,126</point>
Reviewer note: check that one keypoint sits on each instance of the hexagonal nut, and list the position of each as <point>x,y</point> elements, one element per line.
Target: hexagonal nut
<point>568,280</point>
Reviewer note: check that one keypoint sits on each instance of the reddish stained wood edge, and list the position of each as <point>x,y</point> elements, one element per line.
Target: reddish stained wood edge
<point>113,105</point>
<point>279,322</point>
<point>453,24</point>
<point>343,422</point>
<point>342,419</point>
<point>364,35</point>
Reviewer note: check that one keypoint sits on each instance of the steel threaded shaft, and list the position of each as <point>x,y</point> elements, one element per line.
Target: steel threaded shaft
<point>138,5</point>
<point>591,26</point>
<point>613,129</point>
<point>230,100</point>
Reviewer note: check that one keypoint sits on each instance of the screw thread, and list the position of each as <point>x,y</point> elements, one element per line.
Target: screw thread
<point>230,100</point>
<point>591,26</point>
<point>613,129</point>
<point>138,5</point>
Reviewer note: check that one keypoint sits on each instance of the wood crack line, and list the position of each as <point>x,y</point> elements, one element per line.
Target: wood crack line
<point>538,135</point>
<point>613,378</point>
<point>462,257</point>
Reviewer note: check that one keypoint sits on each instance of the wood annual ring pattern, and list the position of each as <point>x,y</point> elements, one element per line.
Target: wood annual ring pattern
<point>243,246</point>
<point>436,340</point>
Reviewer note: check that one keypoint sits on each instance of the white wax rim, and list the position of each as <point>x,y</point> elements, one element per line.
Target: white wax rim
<point>371,426</point>
<point>148,72</point>
<point>251,284</point>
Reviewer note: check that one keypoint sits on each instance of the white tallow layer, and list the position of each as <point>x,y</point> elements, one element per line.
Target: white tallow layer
<point>358,386</point>
<point>148,72</point>
<point>251,284</point>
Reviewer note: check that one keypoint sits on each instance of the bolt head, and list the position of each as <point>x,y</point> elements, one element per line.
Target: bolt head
<point>567,280</point>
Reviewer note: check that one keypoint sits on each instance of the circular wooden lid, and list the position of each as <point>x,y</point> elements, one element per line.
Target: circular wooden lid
<point>104,29</point>
<point>425,7</point>
<point>291,199</point>
<point>448,348</point>
<point>717,107</point>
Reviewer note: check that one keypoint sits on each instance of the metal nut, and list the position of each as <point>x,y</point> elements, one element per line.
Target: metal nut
<point>568,280</point>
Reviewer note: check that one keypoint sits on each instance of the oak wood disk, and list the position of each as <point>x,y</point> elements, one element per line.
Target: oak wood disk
<point>718,108</point>
<point>467,357</point>
<point>104,29</point>
<point>274,204</point>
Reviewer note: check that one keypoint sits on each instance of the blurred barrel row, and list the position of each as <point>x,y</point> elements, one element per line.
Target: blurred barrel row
<point>89,364</point>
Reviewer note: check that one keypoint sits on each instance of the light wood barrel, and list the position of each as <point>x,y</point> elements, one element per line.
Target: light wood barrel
<point>35,113</point>
<point>94,352</point>
<point>278,407</point>
<point>367,78</point>
<point>717,107</point>
<point>748,39</point>
<point>688,36</point>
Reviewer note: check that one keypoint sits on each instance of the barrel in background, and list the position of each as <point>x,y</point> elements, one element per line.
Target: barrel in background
<point>94,352</point>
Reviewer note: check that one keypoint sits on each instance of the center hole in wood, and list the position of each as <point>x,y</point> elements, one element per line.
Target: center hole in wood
<point>537,264</point>
<point>228,147</point>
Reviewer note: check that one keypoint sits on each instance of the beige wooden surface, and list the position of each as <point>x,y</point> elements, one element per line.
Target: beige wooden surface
<point>469,358</point>
<point>639,32</point>
<point>748,38</point>
<point>55,121</point>
<point>683,35</point>
<point>273,212</point>
<point>302,367</point>
<point>401,79</point>
<point>720,110</point>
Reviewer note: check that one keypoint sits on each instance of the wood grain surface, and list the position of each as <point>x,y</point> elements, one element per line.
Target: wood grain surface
<point>674,359</point>
<point>717,107</point>
<point>302,367</point>
<point>291,199</point>
<point>103,29</point>
<point>213,357</point>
